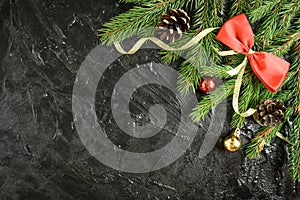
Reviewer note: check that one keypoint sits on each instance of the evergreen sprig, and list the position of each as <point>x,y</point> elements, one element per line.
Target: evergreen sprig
<point>213,99</point>
<point>257,144</point>
<point>240,6</point>
<point>294,150</point>
<point>276,18</point>
<point>138,21</point>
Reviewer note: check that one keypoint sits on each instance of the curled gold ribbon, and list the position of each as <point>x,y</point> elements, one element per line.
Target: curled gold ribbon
<point>240,70</point>
<point>163,45</point>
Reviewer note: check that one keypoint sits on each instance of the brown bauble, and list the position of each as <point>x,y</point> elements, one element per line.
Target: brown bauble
<point>207,85</point>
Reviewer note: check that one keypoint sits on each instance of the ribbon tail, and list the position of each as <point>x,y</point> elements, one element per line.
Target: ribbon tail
<point>236,70</point>
<point>163,45</point>
<point>227,53</point>
<point>236,92</point>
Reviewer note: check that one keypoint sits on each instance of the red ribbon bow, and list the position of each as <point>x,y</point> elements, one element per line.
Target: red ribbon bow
<point>237,34</point>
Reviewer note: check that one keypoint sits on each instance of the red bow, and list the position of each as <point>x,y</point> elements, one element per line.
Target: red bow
<point>237,34</point>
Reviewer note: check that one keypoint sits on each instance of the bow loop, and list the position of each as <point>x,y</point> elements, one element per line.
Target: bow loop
<point>269,69</point>
<point>237,34</point>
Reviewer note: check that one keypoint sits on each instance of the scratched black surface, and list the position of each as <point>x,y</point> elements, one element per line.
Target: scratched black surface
<point>42,44</point>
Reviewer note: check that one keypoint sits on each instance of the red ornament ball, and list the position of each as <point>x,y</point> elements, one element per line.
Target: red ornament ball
<point>207,85</point>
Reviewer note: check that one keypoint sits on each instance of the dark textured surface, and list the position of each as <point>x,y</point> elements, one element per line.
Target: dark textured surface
<point>42,44</point>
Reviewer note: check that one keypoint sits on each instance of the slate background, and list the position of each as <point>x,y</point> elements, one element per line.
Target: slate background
<point>42,44</point>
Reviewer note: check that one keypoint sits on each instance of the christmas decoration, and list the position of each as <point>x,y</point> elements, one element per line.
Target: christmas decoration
<point>207,85</point>
<point>173,24</point>
<point>232,142</point>
<point>237,34</point>
<point>270,112</point>
<point>276,32</point>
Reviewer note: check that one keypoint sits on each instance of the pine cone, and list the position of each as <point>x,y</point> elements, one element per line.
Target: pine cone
<point>173,24</point>
<point>270,112</point>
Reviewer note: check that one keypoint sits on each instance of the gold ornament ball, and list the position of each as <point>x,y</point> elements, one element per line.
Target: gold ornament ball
<point>232,142</point>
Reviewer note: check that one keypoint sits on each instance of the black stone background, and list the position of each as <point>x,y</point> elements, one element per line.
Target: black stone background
<point>42,44</point>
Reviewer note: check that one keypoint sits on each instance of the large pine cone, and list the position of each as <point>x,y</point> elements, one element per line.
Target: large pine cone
<point>270,112</point>
<point>173,24</point>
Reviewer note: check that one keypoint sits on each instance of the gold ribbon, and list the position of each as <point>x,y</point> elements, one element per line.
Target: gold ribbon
<point>227,53</point>
<point>162,45</point>
<point>278,134</point>
<point>240,70</point>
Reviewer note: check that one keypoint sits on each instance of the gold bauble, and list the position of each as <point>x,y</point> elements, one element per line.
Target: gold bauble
<point>232,142</point>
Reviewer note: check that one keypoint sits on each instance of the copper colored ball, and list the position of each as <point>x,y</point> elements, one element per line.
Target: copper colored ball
<point>207,85</point>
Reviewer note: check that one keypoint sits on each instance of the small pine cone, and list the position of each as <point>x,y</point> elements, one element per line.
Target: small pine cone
<point>270,112</point>
<point>173,24</point>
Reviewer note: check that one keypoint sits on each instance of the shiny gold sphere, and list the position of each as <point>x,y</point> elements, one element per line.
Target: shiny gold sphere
<point>232,142</point>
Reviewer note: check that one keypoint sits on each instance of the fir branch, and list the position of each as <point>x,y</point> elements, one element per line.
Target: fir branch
<point>190,70</point>
<point>294,86</point>
<point>130,23</point>
<point>288,42</point>
<point>216,71</point>
<point>266,94</point>
<point>294,150</point>
<point>238,7</point>
<point>284,95</point>
<point>268,27</point>
<point>272,135</point>
<point>139,21</point>
<point>206,15</point>
<point>172,56</point>
<point>169,57</point>
<point>257,144</point>
<point>213,99</point>
<point>288,13</point>
<point>254,4</point>
<point>262,10</point>
<point>284,38</point>
<point>295,57</point>
<point>265,136</point>
<point>275,26</point>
